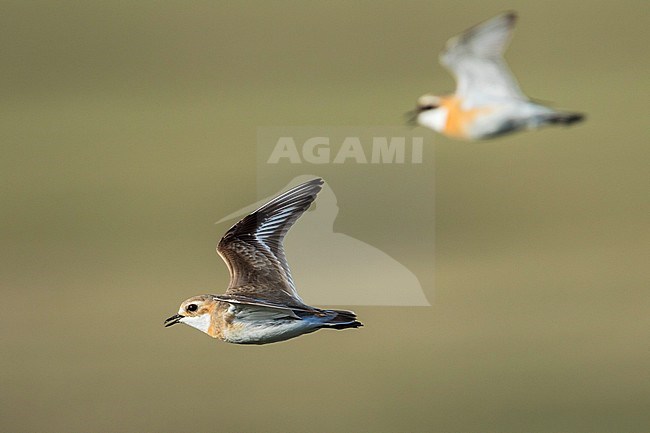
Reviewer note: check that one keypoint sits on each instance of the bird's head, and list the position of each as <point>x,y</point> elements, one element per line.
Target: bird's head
<point>428,112</point>
<point>196,312</point>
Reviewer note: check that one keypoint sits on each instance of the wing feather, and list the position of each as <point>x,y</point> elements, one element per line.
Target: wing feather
<point>475,57</point>
<point>253,251</point>
<point>242,305</point>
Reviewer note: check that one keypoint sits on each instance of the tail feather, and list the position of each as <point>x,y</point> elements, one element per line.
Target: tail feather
<point>565,118</point>
<point>342,320</point>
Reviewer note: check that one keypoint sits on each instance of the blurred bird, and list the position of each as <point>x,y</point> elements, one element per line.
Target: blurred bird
<point>261,304</point>
<point>487,102</point>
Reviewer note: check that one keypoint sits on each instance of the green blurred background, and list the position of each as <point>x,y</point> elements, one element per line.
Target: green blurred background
<point>128,128</point>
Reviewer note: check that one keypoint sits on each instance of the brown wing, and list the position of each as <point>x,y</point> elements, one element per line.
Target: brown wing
<point>253,251</point>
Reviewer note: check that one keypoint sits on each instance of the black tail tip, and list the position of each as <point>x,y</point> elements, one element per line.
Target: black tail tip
<point>355,324</point>
<point>568,118</point>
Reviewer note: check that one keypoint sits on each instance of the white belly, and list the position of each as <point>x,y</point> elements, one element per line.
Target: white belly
<point>244,332</point>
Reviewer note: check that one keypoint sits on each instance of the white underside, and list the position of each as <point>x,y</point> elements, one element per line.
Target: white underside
<point>435,119</point>
<point>269,332</point>
<point>202,322</point>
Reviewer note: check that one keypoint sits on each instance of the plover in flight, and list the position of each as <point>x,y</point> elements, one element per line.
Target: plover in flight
<point>487,102</point>
<point>261,304</point>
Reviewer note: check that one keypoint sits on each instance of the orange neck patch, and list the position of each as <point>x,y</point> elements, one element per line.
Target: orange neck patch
<point>216,322</point>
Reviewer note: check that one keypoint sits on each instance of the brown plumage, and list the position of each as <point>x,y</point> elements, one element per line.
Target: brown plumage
<point>261,304</point>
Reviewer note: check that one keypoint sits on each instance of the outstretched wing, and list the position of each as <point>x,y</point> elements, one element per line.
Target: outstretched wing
<point>253,251</point>
<point>475,57</point>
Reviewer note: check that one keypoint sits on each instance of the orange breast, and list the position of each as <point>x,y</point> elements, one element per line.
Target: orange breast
<point>458,119</point>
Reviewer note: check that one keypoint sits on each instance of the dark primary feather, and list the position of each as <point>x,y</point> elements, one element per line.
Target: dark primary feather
<point>253,251</point>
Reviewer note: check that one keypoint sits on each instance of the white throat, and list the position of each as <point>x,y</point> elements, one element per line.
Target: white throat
<point>435,119</point>
<point>202,322</point>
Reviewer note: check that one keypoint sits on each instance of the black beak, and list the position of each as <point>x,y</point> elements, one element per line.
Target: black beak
<point>412,117</point>
<point>176,318</point>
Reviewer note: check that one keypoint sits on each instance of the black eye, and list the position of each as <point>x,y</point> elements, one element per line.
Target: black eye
<point>429,107</point>
<point>192,307</point>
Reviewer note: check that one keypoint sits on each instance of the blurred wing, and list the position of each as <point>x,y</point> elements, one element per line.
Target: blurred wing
<point>475,57</point>
<point>253,251</point>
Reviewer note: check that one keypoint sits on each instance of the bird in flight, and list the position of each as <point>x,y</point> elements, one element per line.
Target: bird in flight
<point>487,102</point>
<point>261,304</point>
